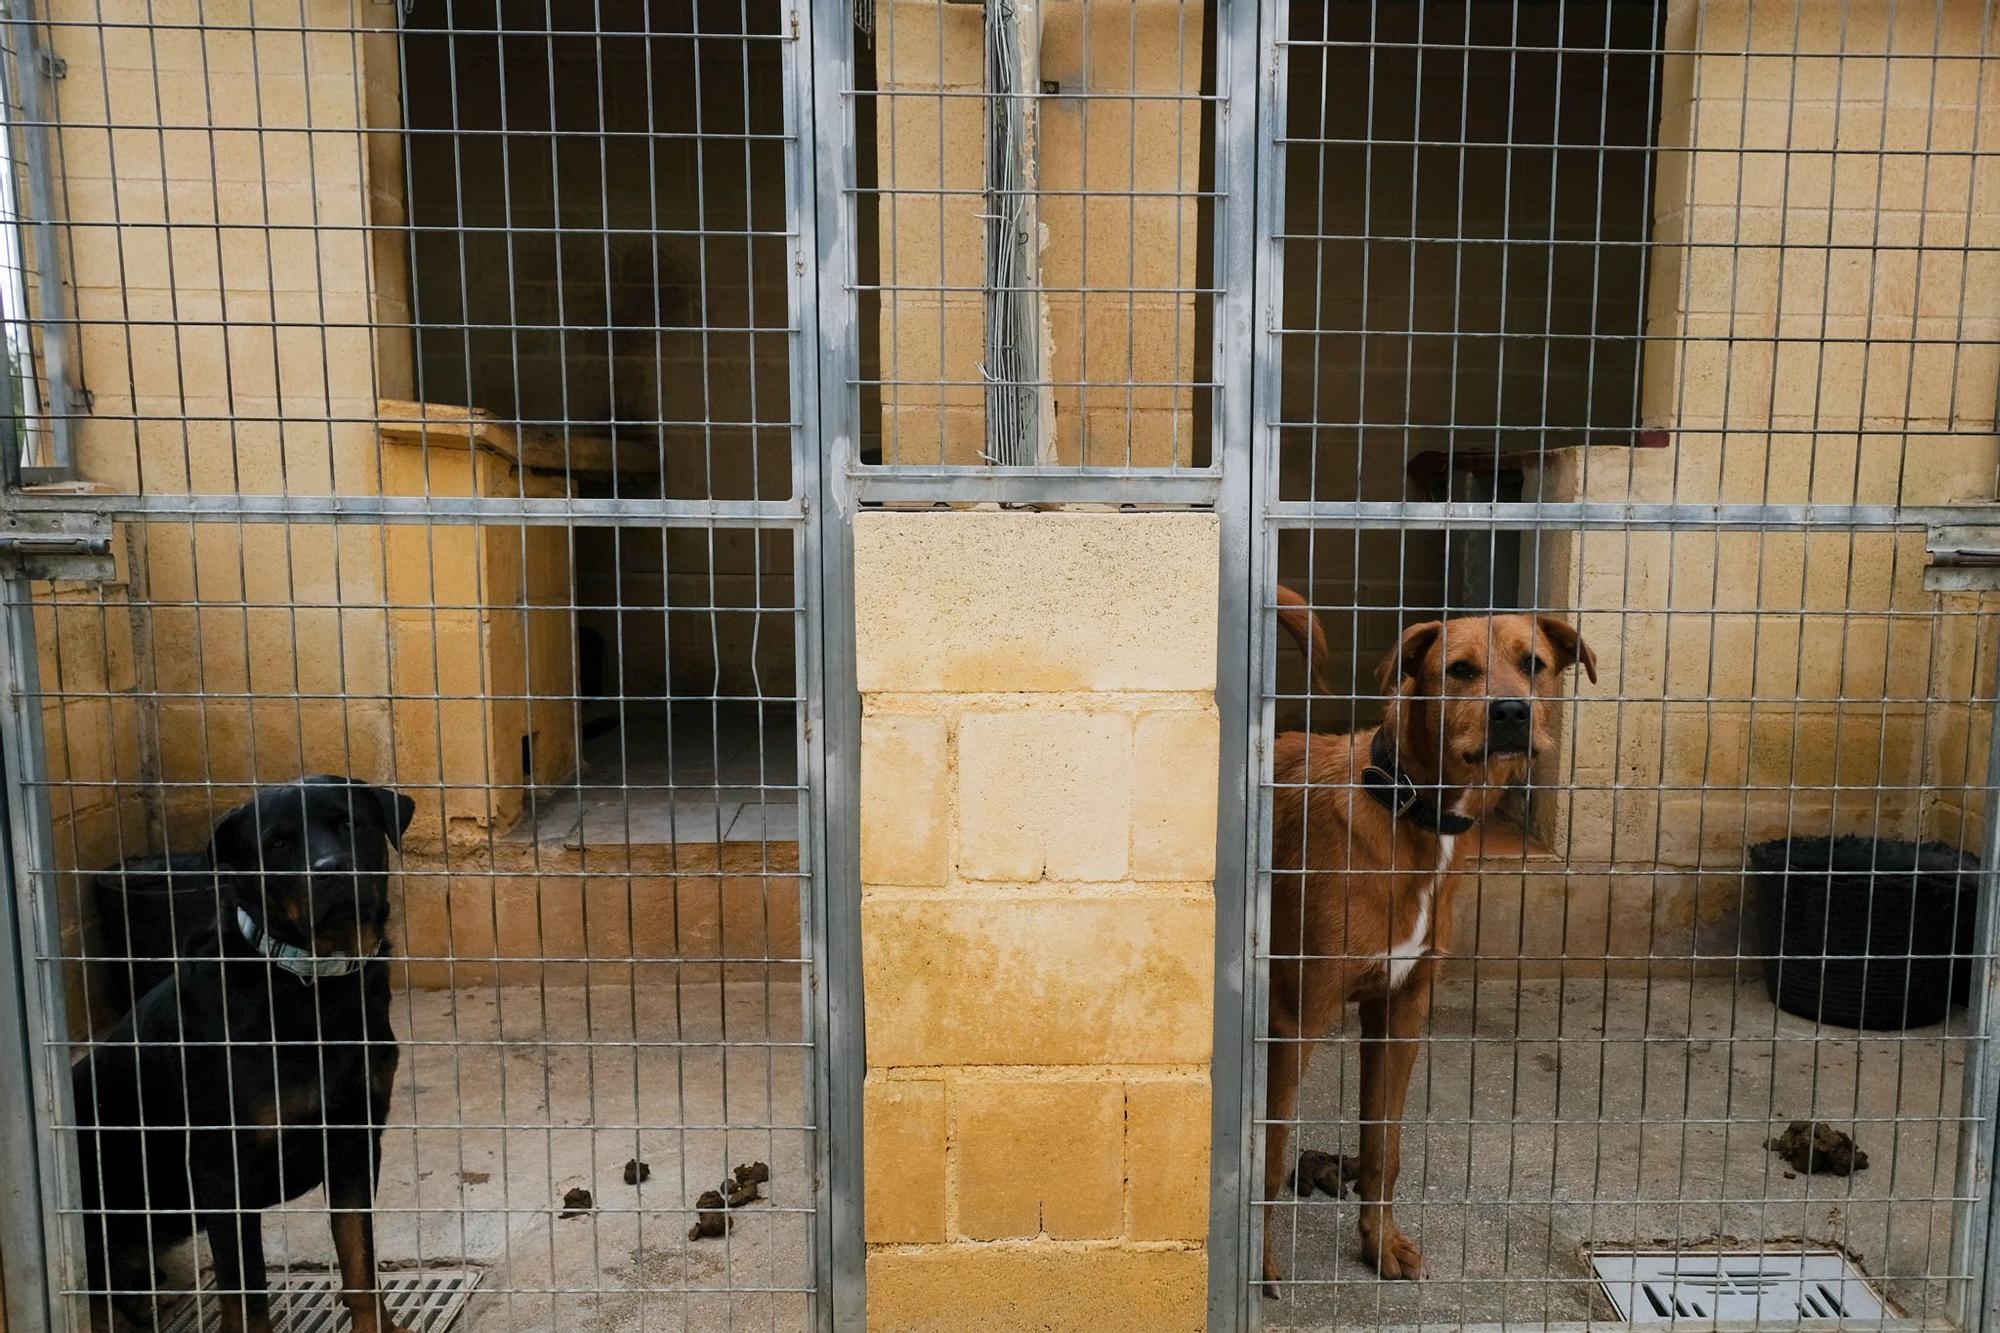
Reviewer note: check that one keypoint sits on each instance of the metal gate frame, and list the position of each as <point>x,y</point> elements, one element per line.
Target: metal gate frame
<point>1253,515</point>
<point>37,1167</point>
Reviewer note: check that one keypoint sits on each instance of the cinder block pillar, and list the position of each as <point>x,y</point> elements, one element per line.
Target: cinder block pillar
<point>1039,776</point>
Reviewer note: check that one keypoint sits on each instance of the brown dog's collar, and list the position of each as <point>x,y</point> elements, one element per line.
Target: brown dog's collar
<point>1385,780</point>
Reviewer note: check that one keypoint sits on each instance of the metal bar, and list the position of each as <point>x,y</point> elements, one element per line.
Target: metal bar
<point>834,708</point>
<point>801,203</point>
<point>1591,515</point>
<point>1020,486</point>
<point>523,511</point>
<point>1243,101</point>
<point>14,436</point>
<point>1975,1241</point>
<point>25,1260</point>
<point>38,939</point>
<point>1706,1326</point>
<point>1272,80</point>
<point>1018,397</point>
<point>53,316</point>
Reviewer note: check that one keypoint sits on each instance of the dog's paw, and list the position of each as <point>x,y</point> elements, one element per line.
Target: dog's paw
<point>375,1320</point>
<point>1272,1275</point>
<point>1392,1254</point>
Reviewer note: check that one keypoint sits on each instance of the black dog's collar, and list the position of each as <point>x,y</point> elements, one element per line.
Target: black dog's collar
<point>304,964</point>
<point>1386,781</point>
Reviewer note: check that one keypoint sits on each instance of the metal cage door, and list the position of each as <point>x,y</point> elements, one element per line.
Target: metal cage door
<point>453,424</point>
<point>1532,359</point>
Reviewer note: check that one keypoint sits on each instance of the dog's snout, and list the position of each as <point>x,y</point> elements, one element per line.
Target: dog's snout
<point>1511,711</point>
<point>332,863</point>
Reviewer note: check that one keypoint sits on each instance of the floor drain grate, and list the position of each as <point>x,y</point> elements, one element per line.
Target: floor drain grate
<point>1730,1285</point>
<point>426,1302</point>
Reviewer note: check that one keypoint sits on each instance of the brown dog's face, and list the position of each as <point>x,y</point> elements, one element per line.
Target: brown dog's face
<point>1473,694</point>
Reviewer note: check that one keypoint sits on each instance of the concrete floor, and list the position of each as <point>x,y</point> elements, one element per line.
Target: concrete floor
<point>1551,1117</point>
<point>1545,1118</point>
<point>508,1098</point>
<point>701,773</point>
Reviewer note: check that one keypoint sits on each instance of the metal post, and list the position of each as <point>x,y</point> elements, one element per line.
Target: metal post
<point>1019,404</point>
<point>1975,1244</point>
<point>829,433</point>
<point>34,67</point>
<point>1240,658</point>
<point>37,1230</point>
<point>1265,69</point>
<point>24,1258</point>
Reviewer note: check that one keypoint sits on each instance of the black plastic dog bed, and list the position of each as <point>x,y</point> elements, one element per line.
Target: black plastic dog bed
<point>152,909</point>
<point>1865,932</point>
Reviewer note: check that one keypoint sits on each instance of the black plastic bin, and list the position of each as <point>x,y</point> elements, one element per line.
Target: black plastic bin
<point>1862,932</point>
<point>152,909</point>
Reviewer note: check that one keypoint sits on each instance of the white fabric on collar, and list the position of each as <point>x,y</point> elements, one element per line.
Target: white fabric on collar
<point>304,964</point>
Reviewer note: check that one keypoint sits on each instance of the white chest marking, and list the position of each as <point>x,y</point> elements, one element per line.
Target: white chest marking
<point>1403,955</point>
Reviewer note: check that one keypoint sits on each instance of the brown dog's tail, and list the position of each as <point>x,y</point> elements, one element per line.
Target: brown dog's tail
<point>1296,618</point>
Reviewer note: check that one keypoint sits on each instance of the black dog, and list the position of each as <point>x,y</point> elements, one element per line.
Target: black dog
<point>262,1068</point>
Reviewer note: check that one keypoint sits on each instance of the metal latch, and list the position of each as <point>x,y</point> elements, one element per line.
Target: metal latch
<point>70,548</point>
<point>1962,559</point>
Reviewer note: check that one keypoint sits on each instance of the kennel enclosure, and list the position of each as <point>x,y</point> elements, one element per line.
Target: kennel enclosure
<point>633,429</point>
<point>451,407</point>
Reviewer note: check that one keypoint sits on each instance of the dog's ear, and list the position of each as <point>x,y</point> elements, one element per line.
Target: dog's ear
<point>397,812</point>
<point>1569,645</point>
<point>1406,659</point>
<point>397,809</point>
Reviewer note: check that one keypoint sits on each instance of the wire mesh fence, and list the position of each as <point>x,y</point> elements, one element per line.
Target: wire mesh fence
<point>1092,224</point>
<point>1722,905</point>
<point>594,966</point>
<point>445,392</point>
<point>444,378</point>
<point>1623,843</point>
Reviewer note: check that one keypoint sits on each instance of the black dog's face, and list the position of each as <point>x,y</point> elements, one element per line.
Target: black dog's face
<point>309,862</point>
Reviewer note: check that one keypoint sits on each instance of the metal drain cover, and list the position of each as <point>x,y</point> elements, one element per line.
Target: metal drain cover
<point>428,1302</point>
<point>1678,1286</point>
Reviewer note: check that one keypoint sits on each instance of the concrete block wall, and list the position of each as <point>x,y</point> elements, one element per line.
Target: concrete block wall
<point>1818,330</point>
<point>1038,788</point>
<point>1122,355</point>
<point>225,285</point>
<point>1960,738</point>
<point>96,734</point>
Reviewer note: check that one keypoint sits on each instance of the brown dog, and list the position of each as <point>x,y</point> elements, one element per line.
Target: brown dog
<point>1364,829</point>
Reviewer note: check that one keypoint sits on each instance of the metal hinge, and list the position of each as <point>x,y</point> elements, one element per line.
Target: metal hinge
<point>1962,560</point>
<point>69,548</point>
